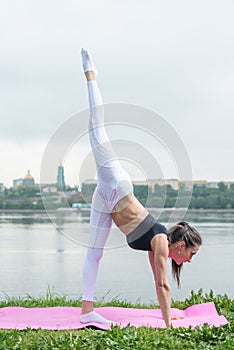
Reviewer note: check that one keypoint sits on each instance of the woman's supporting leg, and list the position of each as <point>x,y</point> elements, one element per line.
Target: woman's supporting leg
<point>100,225</point>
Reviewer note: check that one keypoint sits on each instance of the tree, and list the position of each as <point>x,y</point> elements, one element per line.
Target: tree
<point>222,187</point>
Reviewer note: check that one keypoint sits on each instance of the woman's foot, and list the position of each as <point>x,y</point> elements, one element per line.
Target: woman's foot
<point>88,315</point>
<point>87,62</point>
<point>93,317</point>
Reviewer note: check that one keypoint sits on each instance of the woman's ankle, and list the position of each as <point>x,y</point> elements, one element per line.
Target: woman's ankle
<point>87,306</point>
<point>90,75</point>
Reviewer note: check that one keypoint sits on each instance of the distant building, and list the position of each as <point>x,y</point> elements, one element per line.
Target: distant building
<point>28,180</point>
<point>48,188</point>
<point>17,182</point>
<point>215,184</point>
<point>228,183</point>
<point>2,187</point>
<point>88,188</point>
<point>188,185</point>
<point>174,183</point>
<point>60,179</point>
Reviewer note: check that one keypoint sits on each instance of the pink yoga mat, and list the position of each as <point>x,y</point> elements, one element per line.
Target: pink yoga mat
<point>60,318</point>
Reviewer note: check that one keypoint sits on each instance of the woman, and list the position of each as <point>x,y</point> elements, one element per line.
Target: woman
<point>114,200</point>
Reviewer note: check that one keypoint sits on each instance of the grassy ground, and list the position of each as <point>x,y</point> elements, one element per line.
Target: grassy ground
<point>127,338</point>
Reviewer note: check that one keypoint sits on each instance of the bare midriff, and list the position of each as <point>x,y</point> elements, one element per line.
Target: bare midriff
<point>128,213</point>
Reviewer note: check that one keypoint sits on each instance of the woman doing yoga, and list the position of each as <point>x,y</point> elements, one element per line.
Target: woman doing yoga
<point>114,201</point>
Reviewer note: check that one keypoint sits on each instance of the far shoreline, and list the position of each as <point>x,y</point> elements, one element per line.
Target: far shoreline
<point>70,210</point>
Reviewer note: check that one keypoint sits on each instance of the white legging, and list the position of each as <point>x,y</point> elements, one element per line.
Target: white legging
<point>113,183</point>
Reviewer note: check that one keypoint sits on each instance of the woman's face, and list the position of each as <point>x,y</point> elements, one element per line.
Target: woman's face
<point>181,254</point>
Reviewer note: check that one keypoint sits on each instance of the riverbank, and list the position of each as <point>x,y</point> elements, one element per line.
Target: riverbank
<point>67,210</point>
<point>127,338</point>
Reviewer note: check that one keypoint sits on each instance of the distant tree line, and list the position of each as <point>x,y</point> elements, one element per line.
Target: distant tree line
<point>21,197</point>
<point>213,198</point>
<point>203,197</point>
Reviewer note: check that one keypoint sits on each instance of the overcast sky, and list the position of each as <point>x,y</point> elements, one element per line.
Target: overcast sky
<point>173,57</point>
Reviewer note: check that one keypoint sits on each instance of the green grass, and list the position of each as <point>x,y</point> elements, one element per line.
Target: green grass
<point>127,338</point>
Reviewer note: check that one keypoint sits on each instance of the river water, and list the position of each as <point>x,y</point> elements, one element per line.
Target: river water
<point>38,252</point>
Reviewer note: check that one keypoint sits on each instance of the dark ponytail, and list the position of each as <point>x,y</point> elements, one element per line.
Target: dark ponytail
<point>188,234</point>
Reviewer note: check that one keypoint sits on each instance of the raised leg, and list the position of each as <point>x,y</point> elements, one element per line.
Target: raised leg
<point>113,181</point>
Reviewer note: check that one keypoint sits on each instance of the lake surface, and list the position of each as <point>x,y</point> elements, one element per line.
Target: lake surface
<point>37,253</point>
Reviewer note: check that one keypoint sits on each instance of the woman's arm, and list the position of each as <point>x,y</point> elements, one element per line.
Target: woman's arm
<point>158,260</point>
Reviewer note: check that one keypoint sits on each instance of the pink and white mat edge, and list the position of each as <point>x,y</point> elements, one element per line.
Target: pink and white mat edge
<point>65,318</point>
